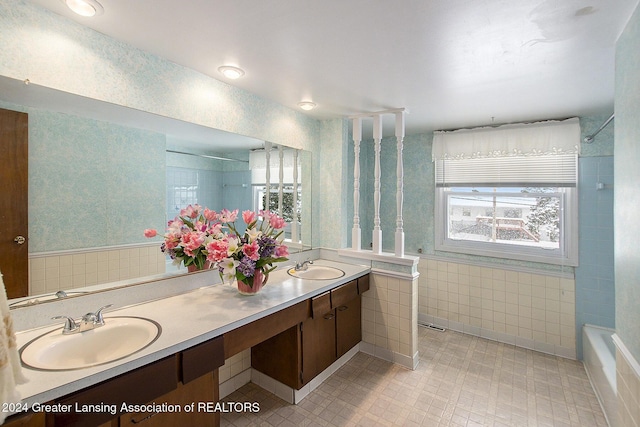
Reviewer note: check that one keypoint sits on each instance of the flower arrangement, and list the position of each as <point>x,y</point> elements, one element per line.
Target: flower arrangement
<point>204,238</point>
<point>241,256</point>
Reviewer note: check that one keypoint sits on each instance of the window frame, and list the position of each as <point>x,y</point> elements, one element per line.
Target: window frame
<point>567,254</point>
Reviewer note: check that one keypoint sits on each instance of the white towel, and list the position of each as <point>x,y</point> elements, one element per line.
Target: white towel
<point>10,368</point>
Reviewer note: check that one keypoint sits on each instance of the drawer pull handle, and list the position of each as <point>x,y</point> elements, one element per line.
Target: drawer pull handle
<point>133,421</point>
<point>342,308</point>
<point>329,316</point>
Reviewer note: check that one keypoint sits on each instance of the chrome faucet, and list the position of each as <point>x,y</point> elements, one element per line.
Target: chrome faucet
<point>303,266</point>
<point>86,323</point>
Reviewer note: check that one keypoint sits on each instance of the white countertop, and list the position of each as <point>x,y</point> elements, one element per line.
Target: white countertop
<point>186,319</point>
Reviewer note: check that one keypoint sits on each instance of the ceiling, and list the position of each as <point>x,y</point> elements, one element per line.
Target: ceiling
<point>450,63</point>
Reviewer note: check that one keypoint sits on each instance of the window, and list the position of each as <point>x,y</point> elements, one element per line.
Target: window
<point>508,206</point>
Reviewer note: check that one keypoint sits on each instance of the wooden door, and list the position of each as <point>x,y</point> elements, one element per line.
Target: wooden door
<point>14,248</point>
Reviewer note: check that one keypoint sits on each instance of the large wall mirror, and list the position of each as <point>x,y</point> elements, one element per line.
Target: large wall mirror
<point>99,174</point>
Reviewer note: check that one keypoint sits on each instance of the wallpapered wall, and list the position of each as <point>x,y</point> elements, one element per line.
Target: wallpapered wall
<point>55,52</point>
<point>627,192</point>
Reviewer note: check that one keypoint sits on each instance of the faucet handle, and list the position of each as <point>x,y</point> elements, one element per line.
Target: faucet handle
<point>99,320</point>
<point>303,265</point>
<point>70,325</point>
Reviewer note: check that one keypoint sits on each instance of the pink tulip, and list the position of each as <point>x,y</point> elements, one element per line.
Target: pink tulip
<point>248,216</point>
<point>191,211</point>
<point>150,232</point>
<point>277,222</point>
<point>228,216</point>
<point>210,215</point>
<point>281,251</point>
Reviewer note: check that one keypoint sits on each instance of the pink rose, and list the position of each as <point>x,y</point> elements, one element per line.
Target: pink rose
<point>248,216</point>
<point>217,250</point>
<point>150,232</point>
<point>251,251</point>
<point>191,241</point>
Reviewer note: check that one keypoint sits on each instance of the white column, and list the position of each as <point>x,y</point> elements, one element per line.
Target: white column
<point>377,231</point>
<point>399,247</point>
<point>356,234</point>
<point>294,221</point>
<point>267,174</point>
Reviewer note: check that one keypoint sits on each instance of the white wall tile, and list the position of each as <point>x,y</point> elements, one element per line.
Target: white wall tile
<point>534,310</point>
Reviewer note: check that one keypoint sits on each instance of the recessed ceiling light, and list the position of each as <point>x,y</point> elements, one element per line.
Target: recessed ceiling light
<point>307,105</point>
<point>231,72</point>
<point>84,7</point>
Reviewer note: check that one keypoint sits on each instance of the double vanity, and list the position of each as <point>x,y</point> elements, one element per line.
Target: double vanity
<point>156,363</point>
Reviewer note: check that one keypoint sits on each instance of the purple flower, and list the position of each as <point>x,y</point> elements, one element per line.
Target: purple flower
<point>246,266</point>
<point>267,246</point>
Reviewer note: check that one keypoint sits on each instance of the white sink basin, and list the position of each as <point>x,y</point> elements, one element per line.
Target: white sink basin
<point>317,272</point>
<point>118,338</point>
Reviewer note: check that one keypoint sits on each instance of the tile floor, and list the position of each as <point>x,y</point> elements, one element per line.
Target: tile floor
<point>461,380</point>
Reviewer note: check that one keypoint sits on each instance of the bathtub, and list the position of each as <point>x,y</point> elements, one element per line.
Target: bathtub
<point>599,355</point>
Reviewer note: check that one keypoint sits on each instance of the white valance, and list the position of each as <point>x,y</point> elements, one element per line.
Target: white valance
<point>540,138</point>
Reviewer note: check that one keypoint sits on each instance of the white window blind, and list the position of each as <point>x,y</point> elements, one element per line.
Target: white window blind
<point>547,170</point>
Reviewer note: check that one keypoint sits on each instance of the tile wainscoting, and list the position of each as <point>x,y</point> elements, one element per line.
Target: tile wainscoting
<point>54,271</point>
<point>390,318</point>
<point>530,310</point>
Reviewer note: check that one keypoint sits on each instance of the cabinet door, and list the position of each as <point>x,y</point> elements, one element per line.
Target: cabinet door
<point>200,390</point>
<point>318,338</point>
<point>348,325</point>
<point>279,357</point>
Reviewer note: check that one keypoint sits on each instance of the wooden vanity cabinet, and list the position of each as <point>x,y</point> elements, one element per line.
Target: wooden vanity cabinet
<point>201,389</point>
<point>181,379</point>
<point>25,420</point>
<point>136,387</point>
<point>297,355</point>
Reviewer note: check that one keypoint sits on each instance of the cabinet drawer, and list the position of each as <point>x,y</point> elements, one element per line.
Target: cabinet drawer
<point>202,359</point>
<point>260,330</point>
<point>136,387</point>
<point>344,293</point>
<point>363,284</point>
<point>320,305</point>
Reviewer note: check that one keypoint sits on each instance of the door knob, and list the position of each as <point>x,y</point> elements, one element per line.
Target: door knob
<point>20,240</point>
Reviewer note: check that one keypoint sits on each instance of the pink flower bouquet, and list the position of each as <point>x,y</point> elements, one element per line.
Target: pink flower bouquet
<point>200,236</point>
<point>241,256</point>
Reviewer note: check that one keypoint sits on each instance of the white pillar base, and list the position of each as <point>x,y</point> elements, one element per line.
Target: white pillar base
<point>399,243</point>
<point>377,242</point>
<point>356,239</point>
